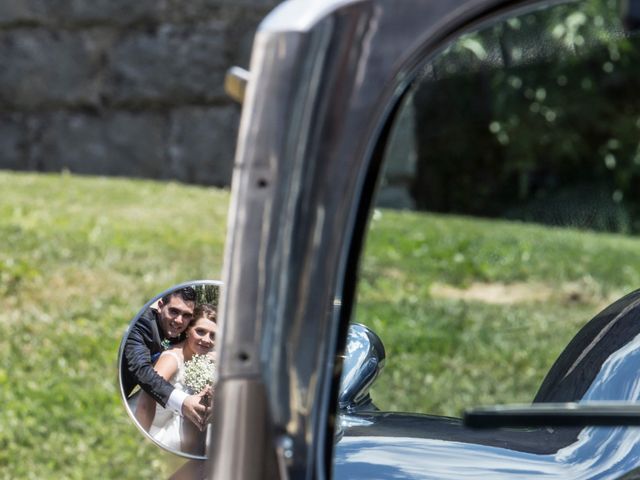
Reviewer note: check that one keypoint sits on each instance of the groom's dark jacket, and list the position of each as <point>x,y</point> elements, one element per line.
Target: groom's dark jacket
<point>144,341</point>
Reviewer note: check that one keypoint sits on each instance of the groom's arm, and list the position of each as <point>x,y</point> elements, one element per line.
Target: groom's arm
<point>138,356</point>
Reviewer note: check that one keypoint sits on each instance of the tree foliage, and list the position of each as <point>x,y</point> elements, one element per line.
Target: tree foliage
<point>535,117</point>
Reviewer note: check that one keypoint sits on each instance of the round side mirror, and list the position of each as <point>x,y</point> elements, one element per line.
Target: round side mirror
<point>364,359</point>
<point>167,366</point>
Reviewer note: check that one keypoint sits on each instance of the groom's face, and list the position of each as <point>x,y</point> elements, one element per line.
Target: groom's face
<point>175,315</point>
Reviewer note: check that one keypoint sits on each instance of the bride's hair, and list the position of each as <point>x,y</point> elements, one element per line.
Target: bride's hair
<point>205,310</point>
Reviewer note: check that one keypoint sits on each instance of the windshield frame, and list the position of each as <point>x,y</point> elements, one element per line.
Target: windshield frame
<point>319,107</point>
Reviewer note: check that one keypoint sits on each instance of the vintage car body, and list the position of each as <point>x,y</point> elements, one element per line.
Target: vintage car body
<point>325,79</point>
<point>598,365</point>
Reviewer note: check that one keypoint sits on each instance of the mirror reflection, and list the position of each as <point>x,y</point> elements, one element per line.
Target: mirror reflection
<point>168,366</point>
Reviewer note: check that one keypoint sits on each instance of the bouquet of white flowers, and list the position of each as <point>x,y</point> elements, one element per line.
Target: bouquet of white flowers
<point>199,373</point>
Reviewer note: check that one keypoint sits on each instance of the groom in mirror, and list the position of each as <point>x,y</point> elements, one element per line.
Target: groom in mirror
<point>156,330</point>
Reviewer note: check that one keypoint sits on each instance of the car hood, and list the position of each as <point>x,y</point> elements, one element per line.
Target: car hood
<point>406,446</point>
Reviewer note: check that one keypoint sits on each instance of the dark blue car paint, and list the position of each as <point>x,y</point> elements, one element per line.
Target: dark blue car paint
<point>599,364</point>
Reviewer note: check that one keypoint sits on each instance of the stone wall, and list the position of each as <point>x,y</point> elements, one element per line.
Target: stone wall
<point>121,87</point>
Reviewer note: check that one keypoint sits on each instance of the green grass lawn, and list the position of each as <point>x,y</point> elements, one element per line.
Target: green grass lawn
<point>81,255</point>
<point>79,258</point>
<point>448,351</point>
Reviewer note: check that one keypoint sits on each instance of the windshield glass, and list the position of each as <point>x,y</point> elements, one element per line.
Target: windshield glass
<point>507,212</point>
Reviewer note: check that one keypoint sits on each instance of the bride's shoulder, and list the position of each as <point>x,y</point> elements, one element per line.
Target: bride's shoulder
<point>176,353</point>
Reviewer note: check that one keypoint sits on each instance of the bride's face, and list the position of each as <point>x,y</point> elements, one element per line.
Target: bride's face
<point>201,335</point>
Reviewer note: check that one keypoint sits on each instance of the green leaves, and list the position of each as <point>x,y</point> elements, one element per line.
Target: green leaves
<point>528,108</point>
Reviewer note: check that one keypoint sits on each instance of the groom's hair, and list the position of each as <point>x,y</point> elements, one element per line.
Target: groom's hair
<point>188,294</point>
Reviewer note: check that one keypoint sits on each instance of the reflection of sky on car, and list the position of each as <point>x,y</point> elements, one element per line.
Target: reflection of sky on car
<point>356,349</point>
<point>298,16</point>
<point>355,340</point>
<point>618,379</point>
<point>411,458</point>
<point>596,454</point>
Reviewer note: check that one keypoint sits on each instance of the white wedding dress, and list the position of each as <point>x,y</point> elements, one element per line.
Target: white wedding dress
<point>166,427</point>
<point>167,424</point>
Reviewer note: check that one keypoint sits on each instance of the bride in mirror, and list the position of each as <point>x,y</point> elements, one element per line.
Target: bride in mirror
<point>186,366</point>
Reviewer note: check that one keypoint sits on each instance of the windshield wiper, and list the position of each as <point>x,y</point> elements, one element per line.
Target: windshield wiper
<point>554,415</point>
